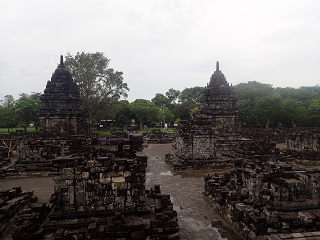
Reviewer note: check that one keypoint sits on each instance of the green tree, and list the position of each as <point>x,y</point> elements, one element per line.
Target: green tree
<point>182,110</point>
<point>35,96</point>
<point>159,100</point>
<point>100,86</point>
<point>165,115</point>
<point>27,111</point>
<point>32,95</point>
<point>268,106</point>
<point>313,113</point>
<point>192,110</point>
<point>123,114</point>
<point>172,95</point>
<point>292,112</point>
<point>252,90</point>
<point>177,120</point>
<point>8,116</point>
<point>246,112</point>
<point>143,110</point>
<point>191,95</point>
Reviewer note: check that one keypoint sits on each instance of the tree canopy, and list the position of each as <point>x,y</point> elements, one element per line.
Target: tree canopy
<point>27,111</point>
<point>172,95</point>
<point>191,95</point>
<point>8,116</point>
<point>159,100</point>
<point>143,110</point>
<point>100,86</point>
<point>262,104</point>
<point>165,115</point>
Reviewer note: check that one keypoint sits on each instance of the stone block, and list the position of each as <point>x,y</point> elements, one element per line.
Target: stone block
<point>119,185</point>
<point>85,175</point>
<point>118,179</point>
<point>105,180</point>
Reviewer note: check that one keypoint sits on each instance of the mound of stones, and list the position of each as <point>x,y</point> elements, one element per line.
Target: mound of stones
<point>159,138</point>
<point>178,164</point>
<point>302,138</point>
<point>267,198</point>
<point>11,202</point>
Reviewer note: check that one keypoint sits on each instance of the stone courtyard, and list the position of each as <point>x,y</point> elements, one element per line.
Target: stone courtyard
<point>197,218</point>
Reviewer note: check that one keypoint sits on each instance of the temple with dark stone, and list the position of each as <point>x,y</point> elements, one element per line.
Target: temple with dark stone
<point>212,128</point>
<point>62,115</point>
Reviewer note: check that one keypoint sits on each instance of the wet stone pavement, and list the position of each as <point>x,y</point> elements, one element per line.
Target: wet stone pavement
<point>197,219</point>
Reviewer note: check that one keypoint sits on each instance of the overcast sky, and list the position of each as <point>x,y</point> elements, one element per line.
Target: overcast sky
<point>162,44</point>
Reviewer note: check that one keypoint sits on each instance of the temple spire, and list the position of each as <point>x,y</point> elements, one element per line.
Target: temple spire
<point>61,60</point>
<point>217,68</point>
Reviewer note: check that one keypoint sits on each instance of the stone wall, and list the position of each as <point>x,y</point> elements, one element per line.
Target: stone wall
<point>100,185</point>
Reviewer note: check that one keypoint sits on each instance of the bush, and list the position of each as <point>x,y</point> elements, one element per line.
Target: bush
<point>153,124</point>
<point>154,130</point>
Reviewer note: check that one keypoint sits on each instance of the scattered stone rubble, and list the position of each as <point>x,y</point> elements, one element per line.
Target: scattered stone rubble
<point>301,138</point>
<point>218,163</point>
<point>256,149</point>
<point>159,138</point>
<point>26,223</point>
<point>297,236</point>
<point>6,167</point>
<point>302,145</point>
<point>267,198</point>
<point>11,202</point>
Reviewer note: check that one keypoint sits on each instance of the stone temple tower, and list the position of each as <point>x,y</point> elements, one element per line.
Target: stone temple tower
<point>219,104</point>
<point>62,115</point>
<point>214,126</point>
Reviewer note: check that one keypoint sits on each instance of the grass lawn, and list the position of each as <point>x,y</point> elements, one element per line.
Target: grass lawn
<point>103,133</point>
<point>29,129</point>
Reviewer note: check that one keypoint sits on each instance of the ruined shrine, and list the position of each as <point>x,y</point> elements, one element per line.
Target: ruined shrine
<point>62,115</point>
<point>212,128</point>
<point>62,120</point>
